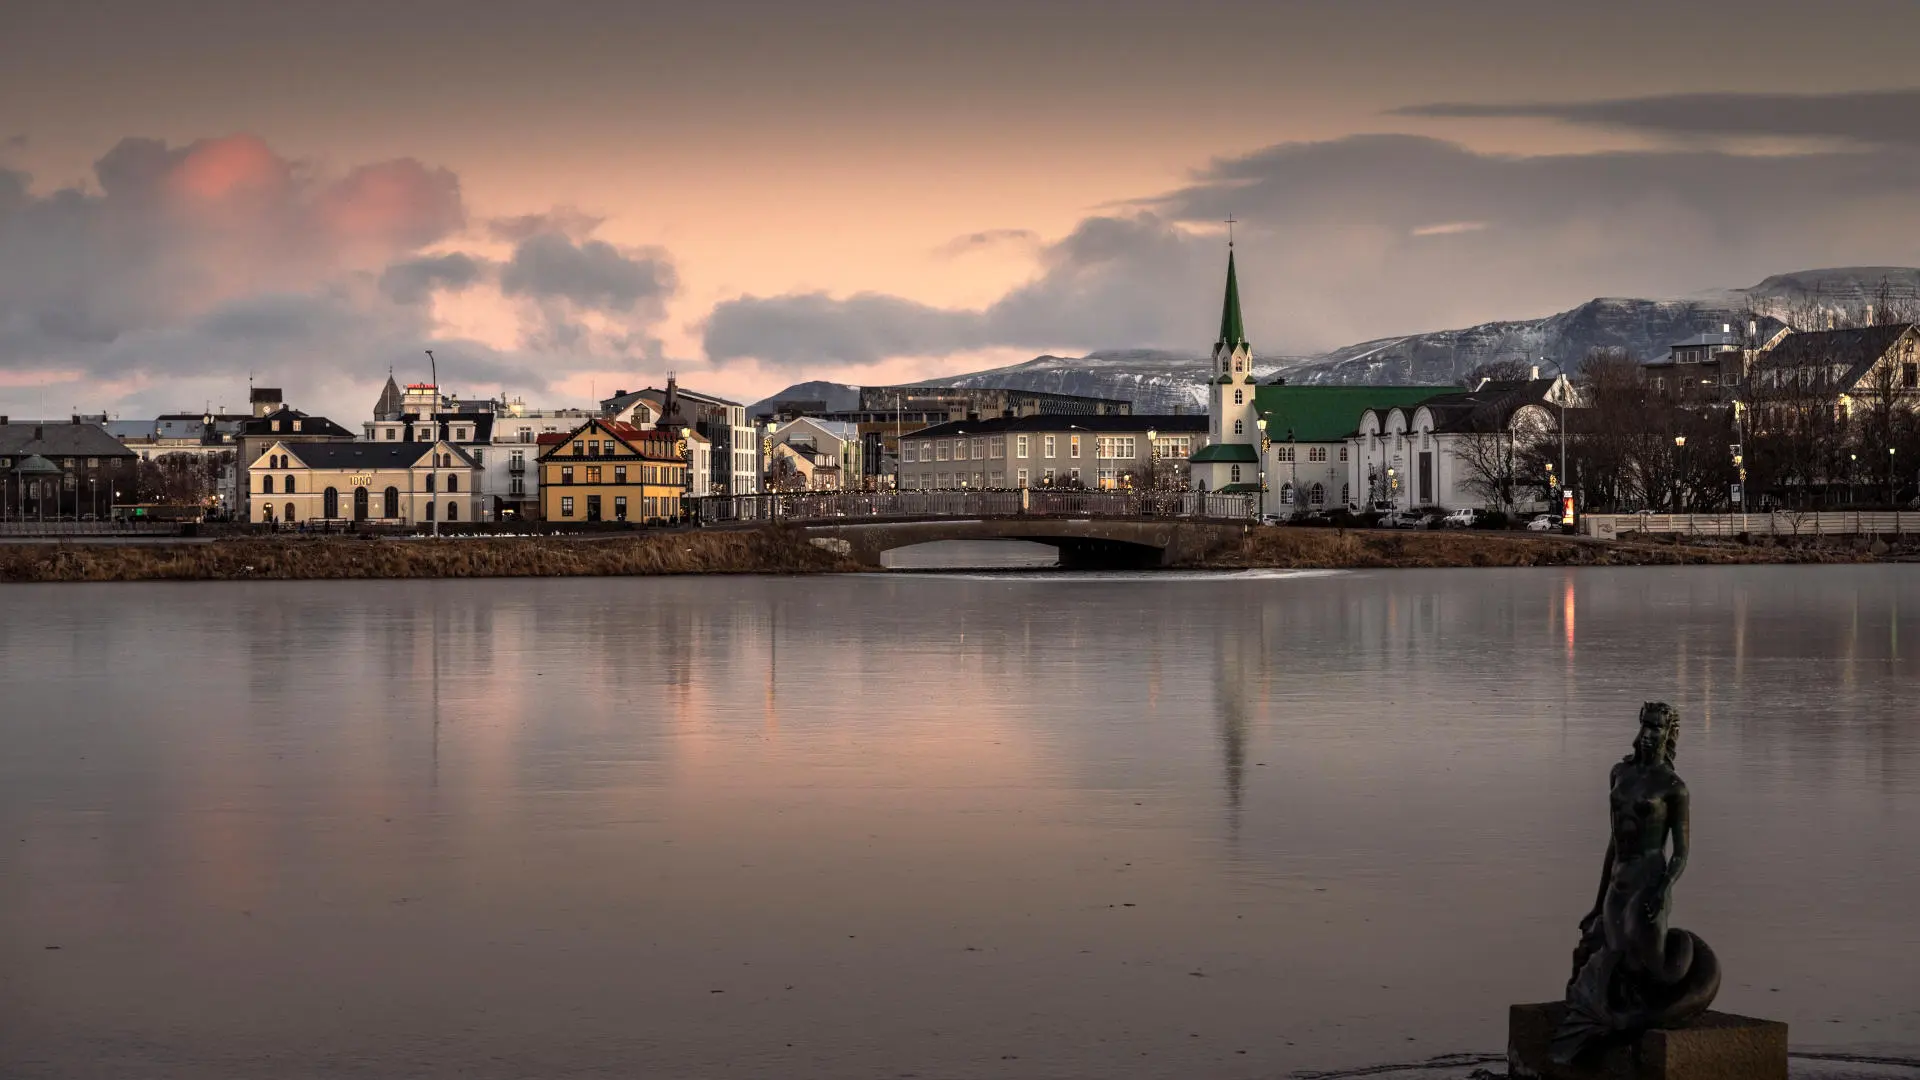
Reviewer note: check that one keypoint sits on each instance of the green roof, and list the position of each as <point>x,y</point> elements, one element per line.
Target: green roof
<point>1237,489</point>
<point>1233,329</point>
<point>1230,451</point>
<point>1325,414</point>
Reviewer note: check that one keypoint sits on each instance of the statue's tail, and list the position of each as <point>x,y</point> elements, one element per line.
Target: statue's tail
<point>1588,1017</point>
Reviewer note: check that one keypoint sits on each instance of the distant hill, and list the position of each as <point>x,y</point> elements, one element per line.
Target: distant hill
<point>1157,380</point>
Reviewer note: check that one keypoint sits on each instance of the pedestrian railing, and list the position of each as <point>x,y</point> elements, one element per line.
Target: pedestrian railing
<point>1788,523</point>
<point>840,506</point>
<point>89,528</point>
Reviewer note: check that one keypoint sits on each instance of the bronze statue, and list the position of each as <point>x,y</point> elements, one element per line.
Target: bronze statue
<point>1630,972</point>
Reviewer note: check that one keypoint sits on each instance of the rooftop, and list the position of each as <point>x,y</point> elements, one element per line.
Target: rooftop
<point>1328,414</point>
<point>1128,425</point>
<point>59,441</point>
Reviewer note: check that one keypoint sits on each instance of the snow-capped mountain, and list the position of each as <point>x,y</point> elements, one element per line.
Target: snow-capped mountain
<point>1159,381</point>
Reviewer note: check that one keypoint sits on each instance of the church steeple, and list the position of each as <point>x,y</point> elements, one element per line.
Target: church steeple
<point>1233,330</point>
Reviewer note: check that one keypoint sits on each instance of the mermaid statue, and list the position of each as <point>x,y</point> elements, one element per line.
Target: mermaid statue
<point>1631,973</point>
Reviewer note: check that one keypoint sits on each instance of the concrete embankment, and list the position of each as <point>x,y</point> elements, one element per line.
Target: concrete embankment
<point>1354,549</point>
<point>769,551</point>
<point>787,551</point>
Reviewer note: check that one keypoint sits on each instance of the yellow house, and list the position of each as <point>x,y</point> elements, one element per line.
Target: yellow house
<point>606,470</point>
<point>392,483</point>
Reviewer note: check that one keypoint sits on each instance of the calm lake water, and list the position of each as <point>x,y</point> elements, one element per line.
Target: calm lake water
<point>971,825</point>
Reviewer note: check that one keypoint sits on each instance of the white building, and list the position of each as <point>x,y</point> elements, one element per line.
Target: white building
<point>824,454</point>
<point>1457,449</point>
<point>501,436</point>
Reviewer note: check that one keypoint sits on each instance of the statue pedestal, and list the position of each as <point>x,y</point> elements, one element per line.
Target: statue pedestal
<point>1717,1046</point>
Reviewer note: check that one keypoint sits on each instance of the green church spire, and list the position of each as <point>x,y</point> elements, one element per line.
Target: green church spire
<point>1233,330</point>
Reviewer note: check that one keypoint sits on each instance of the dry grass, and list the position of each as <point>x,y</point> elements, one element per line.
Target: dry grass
<point>1340,549</point>
<point>773,551</point>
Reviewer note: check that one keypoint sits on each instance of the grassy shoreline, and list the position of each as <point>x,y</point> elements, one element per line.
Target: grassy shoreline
<point>786,551</point>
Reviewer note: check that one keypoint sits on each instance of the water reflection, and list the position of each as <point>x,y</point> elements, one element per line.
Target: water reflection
<point>920,823</point>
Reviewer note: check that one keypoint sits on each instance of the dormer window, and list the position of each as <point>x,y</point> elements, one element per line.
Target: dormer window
<point>296,425</point>
<point>276,425</point>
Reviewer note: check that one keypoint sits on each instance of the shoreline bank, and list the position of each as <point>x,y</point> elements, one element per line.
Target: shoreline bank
<point>786,551</point>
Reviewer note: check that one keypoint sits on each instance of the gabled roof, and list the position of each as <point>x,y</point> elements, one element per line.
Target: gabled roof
<point>60,441</point>
<point>369,455</point>
<point>1328,414</point>
<point>649,443</point>
<point>1487,409</point>
<point>1859,350</point>
<point>285,415</point>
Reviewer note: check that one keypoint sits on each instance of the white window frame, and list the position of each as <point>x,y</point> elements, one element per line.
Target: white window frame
<point>1021,476</point>
<point>1020,448</point>
<point>1050,446</point>
<point>1073,446</point>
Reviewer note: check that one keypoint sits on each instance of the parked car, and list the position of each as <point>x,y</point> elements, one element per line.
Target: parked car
<point>1272,519</point>
<point>1464,518</point>
<point>1314,517</point>
<point>1402,519</point>
<point>1543,523</point>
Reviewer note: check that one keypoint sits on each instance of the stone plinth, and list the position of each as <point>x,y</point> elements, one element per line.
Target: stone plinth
<point>1717,1046</point>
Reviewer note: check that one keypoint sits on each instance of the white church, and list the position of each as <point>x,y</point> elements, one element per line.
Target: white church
<point>1359,447</point>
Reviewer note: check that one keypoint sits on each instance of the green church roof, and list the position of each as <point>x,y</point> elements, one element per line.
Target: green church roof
<point>1233,329</point>
<point>1239,453</point>
<point>1325,414</point>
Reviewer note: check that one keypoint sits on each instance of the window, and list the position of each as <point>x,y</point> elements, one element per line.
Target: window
<point>1910,376</point>
<point>943,450</point>
<point>1239,397</point>
<point>390,502</point>
<point>619,508</point>
<point>926,451</point>
<point>430,479</point>
<point>392,433</point>
<point>593,474</point>
<point>619,476</point>
<point>453,483</point>
<point>1236,474</point>
<point>266,485</point>
<point>566,506</point>
<point>959,449</point>
<point>1346,494</point>
<point>1073,446</point>
<point>997,480</point>
<point>1316,453</point>
<point>289,485</point>
<point>478,461</point>
<point>997,447</point>
<point>1286,494</point>
<point>579,448</point>
<point>906,452</point>
<point>1049,452</point>
<point>1343,452</point>
<point>1239,427</point>
<point>462,434</point>
<point>296,425</point>
<point>1020,451</point>
<point>566,474</point>
<point>1237,361</point>
<point>1319,495</point>
<point>93,463</point>
<point>430,507</point>
<point>1020,478</point>
<point>1047,477</point>
<point>289,512</point>
<point>453,511</point>
<point>979,449</point>
<point>1074,475</point>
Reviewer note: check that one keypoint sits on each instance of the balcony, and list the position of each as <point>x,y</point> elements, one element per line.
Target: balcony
<point>517,465</point>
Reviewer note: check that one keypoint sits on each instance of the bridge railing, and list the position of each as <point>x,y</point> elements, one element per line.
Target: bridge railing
<point>805,506</point>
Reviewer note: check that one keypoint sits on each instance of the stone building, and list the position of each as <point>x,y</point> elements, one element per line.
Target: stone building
<point>334,483</point>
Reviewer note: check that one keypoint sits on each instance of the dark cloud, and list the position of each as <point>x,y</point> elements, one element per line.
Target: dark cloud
<point>560,221</point>
<point>1363,237</point>
<point>413,280</point>
<point>988,238</point>
<point>591,274</point>
<point>1885,117</point>
<point>187,267</point>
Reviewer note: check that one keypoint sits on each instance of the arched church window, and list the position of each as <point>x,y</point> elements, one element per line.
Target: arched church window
<point>1239,397</point>
<point>1236,474</point>
<point>1346,494</point>
<point>1286,494</point>
<point>1239,427</point>
<point>1236,364</point>
<point>1319,495</point>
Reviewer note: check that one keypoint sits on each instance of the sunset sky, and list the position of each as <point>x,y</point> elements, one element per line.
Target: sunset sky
<point>567,198</point>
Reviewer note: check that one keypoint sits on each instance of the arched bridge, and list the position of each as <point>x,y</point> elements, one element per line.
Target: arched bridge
<point>1090,529</point>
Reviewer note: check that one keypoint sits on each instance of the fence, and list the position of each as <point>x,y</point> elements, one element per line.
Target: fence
<point>914,505</point>
<point>1788,523</point>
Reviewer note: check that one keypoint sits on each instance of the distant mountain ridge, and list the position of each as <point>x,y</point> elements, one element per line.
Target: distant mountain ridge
<point>1162,381</point>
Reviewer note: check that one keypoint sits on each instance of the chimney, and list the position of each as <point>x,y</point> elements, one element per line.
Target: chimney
<point>39,432</point>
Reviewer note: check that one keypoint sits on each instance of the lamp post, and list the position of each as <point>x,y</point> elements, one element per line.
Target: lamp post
<point>1679,482</point>
<point>1153,459</point>
<point>686,479</point>
<point>1266,444</point>
<point>1891,494</point>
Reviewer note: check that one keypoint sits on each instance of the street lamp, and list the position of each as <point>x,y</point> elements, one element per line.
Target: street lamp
<point>1891,451</point>
<point>1679,444</point>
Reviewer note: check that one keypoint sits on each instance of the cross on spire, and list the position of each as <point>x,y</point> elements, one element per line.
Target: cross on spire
<point>1230,224</point>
